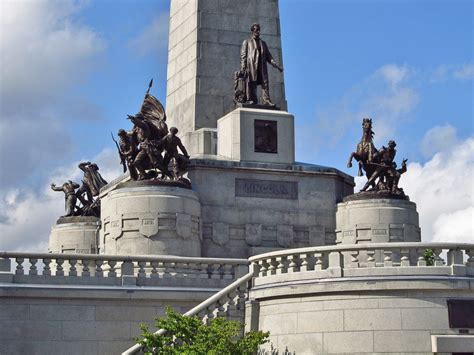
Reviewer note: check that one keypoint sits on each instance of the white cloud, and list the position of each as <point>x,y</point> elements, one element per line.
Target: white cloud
<point>443,189</point>
<point>438,139</point>
<point>446,72</point>
<point>154,36</point>
<point>466,72</point>
<point>457,226</point>
<point>44,53</point>
<point>26,216</point>
<point>386,95</point>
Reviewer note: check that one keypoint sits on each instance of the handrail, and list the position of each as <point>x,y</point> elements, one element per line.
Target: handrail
<point>200,307</point>
<point>106,257</point>
<point>367,246</point>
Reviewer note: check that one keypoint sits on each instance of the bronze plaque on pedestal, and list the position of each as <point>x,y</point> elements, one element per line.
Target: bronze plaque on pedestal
<point>266,136</point>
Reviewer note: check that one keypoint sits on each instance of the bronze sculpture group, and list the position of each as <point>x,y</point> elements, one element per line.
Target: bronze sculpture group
<point>151,152</point>
<point>379,165</point>
<point>87,193</point>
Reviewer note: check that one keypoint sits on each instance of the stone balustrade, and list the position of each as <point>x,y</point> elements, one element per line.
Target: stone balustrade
<point>363,260</point>
<point>229,303</point>
<point>115,270</point>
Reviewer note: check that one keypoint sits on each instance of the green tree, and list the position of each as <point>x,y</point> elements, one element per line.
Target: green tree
<point>190,336</point>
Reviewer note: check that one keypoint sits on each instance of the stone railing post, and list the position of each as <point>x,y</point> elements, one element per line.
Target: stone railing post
<point>336,260</point>
<point>455,260</point>
<point>128,273</point>
<point>252,314</point>
<point>5,270</point>
<point>240,270</point>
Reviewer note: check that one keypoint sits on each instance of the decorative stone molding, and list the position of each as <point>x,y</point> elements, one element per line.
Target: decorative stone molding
<point>220,233</point>
<point>253,234</point>
<point>285,236</point>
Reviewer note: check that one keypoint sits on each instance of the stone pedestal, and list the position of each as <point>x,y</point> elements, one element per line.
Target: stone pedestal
<point>145,219</point>
<point>76,235</point>
<point>257,135</point>
<point>377,221</point>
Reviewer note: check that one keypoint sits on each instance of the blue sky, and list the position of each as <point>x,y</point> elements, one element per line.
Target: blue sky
<point>72,70</point>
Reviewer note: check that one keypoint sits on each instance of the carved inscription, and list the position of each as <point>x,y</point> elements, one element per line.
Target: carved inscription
<point>115,224</point>
<point>148,222</point>
<point>266,189</point>
<point>266,136</point>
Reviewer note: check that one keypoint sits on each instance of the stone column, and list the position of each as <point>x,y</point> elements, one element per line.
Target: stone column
<point>141,219</point>
<point>376,221</point>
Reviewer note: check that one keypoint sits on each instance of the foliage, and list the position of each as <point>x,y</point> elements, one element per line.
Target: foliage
<point>428,255</point>
<point>190,336</point>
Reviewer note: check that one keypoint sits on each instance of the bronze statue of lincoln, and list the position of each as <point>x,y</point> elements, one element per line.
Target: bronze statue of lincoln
<point>253,62</point>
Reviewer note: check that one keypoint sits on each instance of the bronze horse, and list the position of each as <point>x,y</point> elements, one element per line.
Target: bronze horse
<point>365,150</point>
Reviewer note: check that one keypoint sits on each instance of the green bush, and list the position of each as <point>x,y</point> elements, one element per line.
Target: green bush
<point>190,336</point>
<point>428,255</point>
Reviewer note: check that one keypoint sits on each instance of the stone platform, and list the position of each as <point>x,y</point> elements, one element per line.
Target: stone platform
<point>376,220</point>
<point>78,235</point>
<point>147,219</point>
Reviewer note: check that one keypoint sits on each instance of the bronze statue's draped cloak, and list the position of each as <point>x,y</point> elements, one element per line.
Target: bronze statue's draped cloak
<point>251,57</point>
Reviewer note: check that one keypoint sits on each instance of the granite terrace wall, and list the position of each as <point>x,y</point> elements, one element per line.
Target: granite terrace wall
<point>315,301</point>
<point>83,319</point>
<point>93,304</point>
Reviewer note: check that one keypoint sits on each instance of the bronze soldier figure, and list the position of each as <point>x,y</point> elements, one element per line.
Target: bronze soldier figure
<point>254,56</point>
<point>171,143</point>
<point>70,198</point>
<point>127,151</point>
<point>92,182</point>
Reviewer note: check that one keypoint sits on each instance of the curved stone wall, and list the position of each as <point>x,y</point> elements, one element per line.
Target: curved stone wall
<point>326,301</point>
<point>78,235</point>
<point>377,221</point>
<point>143,220</point>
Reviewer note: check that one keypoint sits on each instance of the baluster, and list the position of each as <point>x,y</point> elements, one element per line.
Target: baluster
<point>280,269</point>
<point>318,265</point>
<point>242,296</point>
<point>167,270</point>
<point>141,269</point>
<point>405,257</point>
<point>72,267</point>
<point>33,268</point>
<point>227,272</point>
<point>98,268</point>
<point>271,267</point>
<point>19,267</point>
<point>195,270</point>
<point>354,259</point>
<point>437,260</point>
<point>46,268</point>
<point>387,260</point>
<point>304,262</point>
<point>292,266</point>
<point>59,267</point>
<point>215,271</point>
<point>370,258</point>
<point>421,258</point>
<point>154,270</point>
<point>85,268</point>
<point>112,264</point>
<point>203,273</point>
<point>263,268</point>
